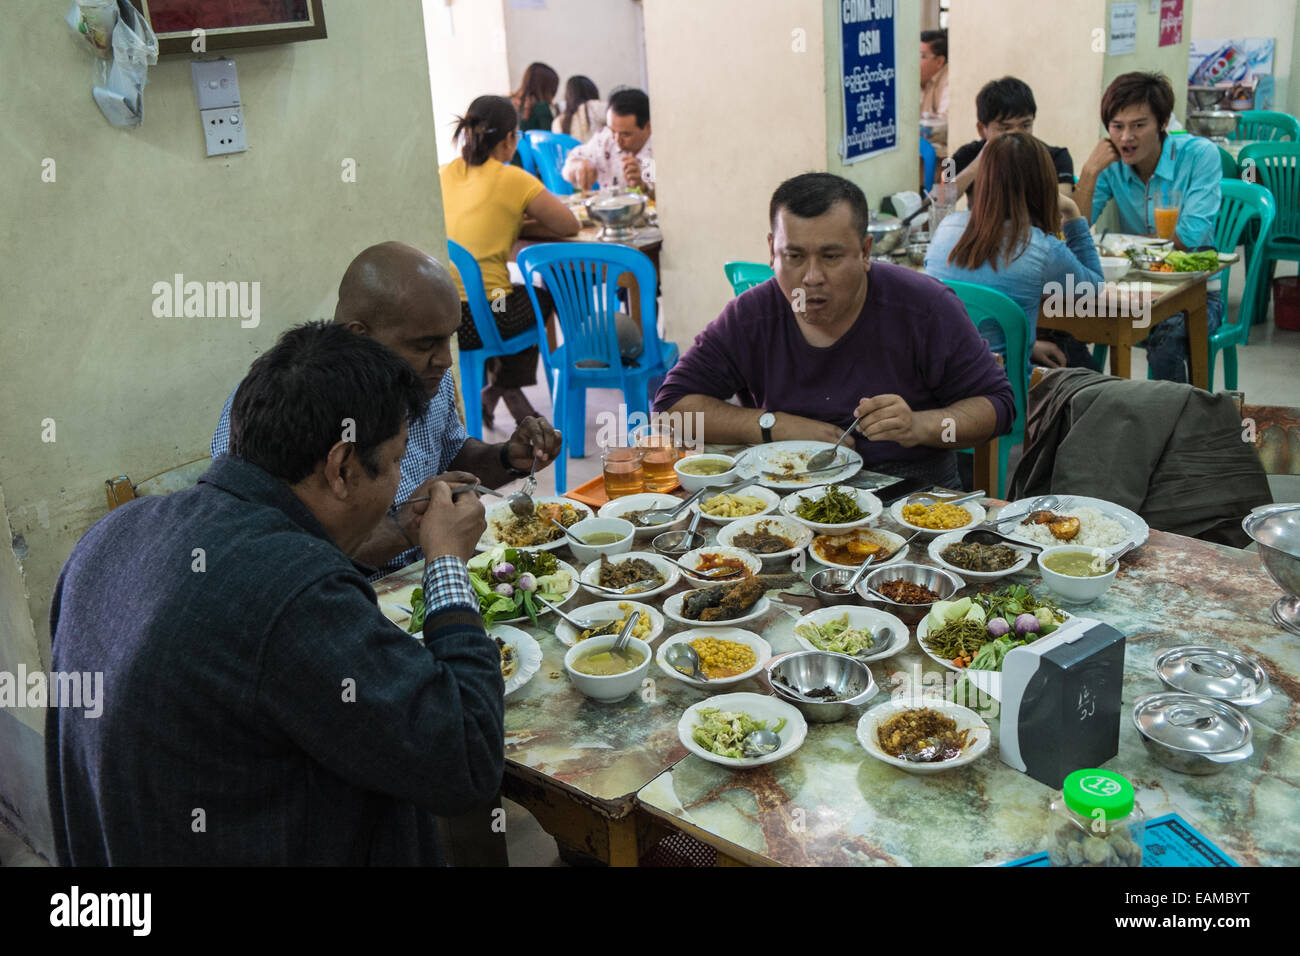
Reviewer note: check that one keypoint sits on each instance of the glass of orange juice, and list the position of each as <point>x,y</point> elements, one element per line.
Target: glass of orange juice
<point>1166,213</point>
<point>661,451</point>
<point>624,471</point>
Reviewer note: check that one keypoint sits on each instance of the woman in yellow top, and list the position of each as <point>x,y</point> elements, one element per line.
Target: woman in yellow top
<point>485,201</point>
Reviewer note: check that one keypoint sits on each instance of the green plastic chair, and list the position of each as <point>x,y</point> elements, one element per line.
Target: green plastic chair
<point>1277,169</point>
<point>982,305</point>
<point>1268,126</point>
<point>1229,164</point>
<point>746,275</point>
<point>1243,204</point>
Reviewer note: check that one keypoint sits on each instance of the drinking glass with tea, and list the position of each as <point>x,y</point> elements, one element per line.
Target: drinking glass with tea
<point>623,470</point>
<point>661,450</point>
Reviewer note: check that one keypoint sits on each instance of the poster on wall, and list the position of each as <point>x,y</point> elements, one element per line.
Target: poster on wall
<point>1236,60</point>
<point>868,78</point>
<point>1171,22</point>
<point>1123,29</point>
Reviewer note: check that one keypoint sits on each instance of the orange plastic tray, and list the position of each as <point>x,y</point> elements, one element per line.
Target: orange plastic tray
<point>593,492</point>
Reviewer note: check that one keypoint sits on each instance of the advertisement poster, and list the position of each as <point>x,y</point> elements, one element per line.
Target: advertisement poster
<point>868,77</point>
<point>1171,22</point>
<point>1123,29</point>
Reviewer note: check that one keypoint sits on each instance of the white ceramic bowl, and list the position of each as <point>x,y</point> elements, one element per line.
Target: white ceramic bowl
<point>1114,268</point>
<point>777,524</point>
<point>868,617</point>
<point>643,502</point>
<point>977,741</point>
<point>693,559</point>
<point>695,482</point>
<point>762,653</point>
<point>1078,590</point>
<point>673,611</point>
<point>758,706</point>
<point>528,654</point>
<point>975,509</point>
<point>616,686</point>
<point>592,552</point>
<point>866,501</point>
<point>769,498</point>
<point>500,513</point>
<point>665,567</point>
<point>952,537</point>
<point>604,611</point>
<point>874,535</point>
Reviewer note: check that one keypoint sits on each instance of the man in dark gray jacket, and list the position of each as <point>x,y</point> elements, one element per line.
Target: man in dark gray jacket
<point>257,707</point>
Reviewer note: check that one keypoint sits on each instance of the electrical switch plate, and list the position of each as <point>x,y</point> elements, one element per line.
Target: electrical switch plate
<point>224,130</point>
<point>215,83</point>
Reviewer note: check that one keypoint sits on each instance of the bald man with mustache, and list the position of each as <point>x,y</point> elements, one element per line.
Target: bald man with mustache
<point>406,300</point>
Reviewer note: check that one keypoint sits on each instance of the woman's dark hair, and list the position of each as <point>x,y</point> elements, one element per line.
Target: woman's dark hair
<point>812,194</point>
<point>1133,89</point>
<point>539,85</point>
<point>577,91</point>
<point>1004,99</point>
<point>937,41</point>
<point>1015,189</point>
<point>319,384</point>
<point>631,102</point>
<point>488,121</point>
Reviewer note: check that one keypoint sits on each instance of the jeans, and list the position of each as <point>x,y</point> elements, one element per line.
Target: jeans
<point>1167,344</point>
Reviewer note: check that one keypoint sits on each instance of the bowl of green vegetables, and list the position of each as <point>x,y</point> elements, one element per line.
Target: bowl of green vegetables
<point>977,632</point>
<point>831,509</point>
<point>508,583</point>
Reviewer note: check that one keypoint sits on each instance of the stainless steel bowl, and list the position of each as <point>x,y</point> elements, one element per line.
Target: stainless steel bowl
<point>1276,531</point>
<point>887,233</point>
<point>1216,124</point>
<point>1191,734</point>
<point>916,252</point>
<point>1204,98</point>
<point>944,583</point>
<point>617,212</point>
<point>832,576</point>
<point>809,670</point>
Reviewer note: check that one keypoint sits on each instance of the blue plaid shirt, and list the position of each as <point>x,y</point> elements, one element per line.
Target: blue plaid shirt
<point>431,445</point>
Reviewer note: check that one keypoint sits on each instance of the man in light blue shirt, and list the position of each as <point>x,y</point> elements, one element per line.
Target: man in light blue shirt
<point>1139,166</point>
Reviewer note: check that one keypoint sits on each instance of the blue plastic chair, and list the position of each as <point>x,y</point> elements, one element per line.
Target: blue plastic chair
<point>582,278</point>
<point>472,361</point>
<point>549,150</point>
<point>1243,204</point>
<point>931,159</point>
<point>526,155</point>
<point>745,275</point>
<point>1277,169</point>
<point>989,305</point>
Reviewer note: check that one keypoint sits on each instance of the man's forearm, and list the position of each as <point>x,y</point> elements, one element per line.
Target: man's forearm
<point>1083,191</point>
<point>960,425</point>
<point>484,460</point>
<point>725,424</point>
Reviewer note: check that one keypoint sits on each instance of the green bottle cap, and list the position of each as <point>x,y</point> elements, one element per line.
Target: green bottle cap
<point>1086,791</point>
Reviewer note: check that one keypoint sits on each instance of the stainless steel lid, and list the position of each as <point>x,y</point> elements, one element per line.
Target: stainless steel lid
<point>1190,723</point>
<point>1214,672</point>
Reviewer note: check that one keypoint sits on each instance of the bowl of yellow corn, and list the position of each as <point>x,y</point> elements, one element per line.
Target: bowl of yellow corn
<point>936,519</point>
<point>728,655</point>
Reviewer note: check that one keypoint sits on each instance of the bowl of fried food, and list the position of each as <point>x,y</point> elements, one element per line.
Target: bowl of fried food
<point>922,735</point>
<point>909,589</point>
<point>720,604</point>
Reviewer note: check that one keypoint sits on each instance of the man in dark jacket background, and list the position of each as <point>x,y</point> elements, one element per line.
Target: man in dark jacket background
<point>257,706</point>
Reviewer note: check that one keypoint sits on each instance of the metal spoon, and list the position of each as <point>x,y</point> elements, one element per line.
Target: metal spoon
<point>455,493</point>
<point>923,751</point>
<point>679,542</point>
<point>711,574</point>
<point>1041,503</point>
<point>884,640</point>
<point>667,517</point>
<point>760,743</point>
<point>986,536</point>
<point>521,502</point>
<point>606,627</point>
<point>827,456</point>
<point>935,499</point>
<point>682,656</point>
<point>567,533</point>
<point>626,634</point>
<point>872,559</point>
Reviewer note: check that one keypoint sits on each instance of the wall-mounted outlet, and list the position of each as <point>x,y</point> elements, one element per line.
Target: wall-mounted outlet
<point>224,130</point>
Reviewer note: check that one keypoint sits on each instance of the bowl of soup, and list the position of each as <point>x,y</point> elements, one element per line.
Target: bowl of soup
<point>601,536</point>
<point>705,471</point>
<point>602,674</point>
<point>1079,575</point>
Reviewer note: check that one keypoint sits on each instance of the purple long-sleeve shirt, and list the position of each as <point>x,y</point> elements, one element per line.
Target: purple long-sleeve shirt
<point>912,338</point>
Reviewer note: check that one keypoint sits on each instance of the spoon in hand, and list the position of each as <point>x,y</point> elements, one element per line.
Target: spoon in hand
<point>521,502</point>
<point>826,457</point>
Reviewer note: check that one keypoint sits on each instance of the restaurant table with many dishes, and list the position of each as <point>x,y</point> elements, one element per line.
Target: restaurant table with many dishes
<point>611,779</point>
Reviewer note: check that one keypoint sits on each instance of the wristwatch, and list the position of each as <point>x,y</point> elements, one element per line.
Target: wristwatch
<point>767,421</point>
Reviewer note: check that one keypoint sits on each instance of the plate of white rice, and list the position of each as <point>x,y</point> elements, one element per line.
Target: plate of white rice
<point>1102,524</point>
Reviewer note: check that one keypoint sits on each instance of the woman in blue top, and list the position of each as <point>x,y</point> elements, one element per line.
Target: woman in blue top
<point>1008,240</point>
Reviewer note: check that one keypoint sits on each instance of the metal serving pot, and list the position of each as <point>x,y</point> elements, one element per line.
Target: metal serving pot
<point>887,234</point>
<point>1191,734</point>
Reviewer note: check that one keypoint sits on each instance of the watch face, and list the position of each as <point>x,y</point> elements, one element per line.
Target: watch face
<point>766,420</point>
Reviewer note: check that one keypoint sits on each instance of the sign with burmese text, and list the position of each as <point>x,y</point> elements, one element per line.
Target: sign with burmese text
<point>1171,22</point>
<point>868,78</point>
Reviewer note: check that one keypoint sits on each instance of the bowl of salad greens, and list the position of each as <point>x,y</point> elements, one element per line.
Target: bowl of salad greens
<point>715,728</point>
<point>829,509</point>
<point>508,583</point>
<point>852,630</point>
<point>977,632</point>
<point>1175,264</point>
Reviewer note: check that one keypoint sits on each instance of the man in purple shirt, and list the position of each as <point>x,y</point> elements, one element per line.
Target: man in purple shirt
<point>835,336</point>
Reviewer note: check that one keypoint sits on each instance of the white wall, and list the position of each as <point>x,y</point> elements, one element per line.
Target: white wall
<point>600,39</point>
<point>466,44</point>
<point>1169,60</point>
<point>1216,19</point>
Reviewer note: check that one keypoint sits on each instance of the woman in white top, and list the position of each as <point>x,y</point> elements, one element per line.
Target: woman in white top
<point>584,113</point>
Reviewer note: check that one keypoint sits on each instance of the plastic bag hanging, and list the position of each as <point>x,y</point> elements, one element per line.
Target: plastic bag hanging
<point>118,86</point>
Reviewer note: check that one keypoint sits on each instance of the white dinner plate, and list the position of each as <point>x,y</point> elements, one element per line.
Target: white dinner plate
<point>620,506</point>
<point>775,524</point>
<point>973,508</point>
<point>758,706</point>
<point>869,617</point>
<point>542,608</point>
<point>1137,529</point>
<point>952,537</point>
<point>603,611</point>
<point>661,564</point>
<point>762,652</point>
<point>528,654</point>
<point>865,500</point>
<point>780,456</point>
<point>673,611</point>
<point>977,742</point>
<point>500,512</point>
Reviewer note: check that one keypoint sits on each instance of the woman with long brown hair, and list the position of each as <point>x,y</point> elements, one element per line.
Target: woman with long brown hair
<point>534,97</point>
<point>1009,239</point>
<point>584,113</point>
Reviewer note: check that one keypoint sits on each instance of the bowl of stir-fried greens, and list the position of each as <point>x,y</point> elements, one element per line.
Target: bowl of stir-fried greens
<point>508,583</point>
<point>715,728</point>
<point>829,509</point>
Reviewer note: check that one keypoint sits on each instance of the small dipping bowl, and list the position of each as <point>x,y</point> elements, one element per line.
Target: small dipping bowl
<point>833,576</point>
<point>589,526</point>
<point>1114,268</point>
<point>941,582</point>
<point>613,687</point>
<point>673,544</point>
<point>1078,590</point>
<point>809,670</point>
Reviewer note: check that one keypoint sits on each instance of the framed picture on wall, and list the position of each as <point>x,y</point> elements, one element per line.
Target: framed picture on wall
<point>229,24</point>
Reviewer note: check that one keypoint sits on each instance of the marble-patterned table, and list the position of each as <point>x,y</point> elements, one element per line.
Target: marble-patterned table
<point>831,804</point>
